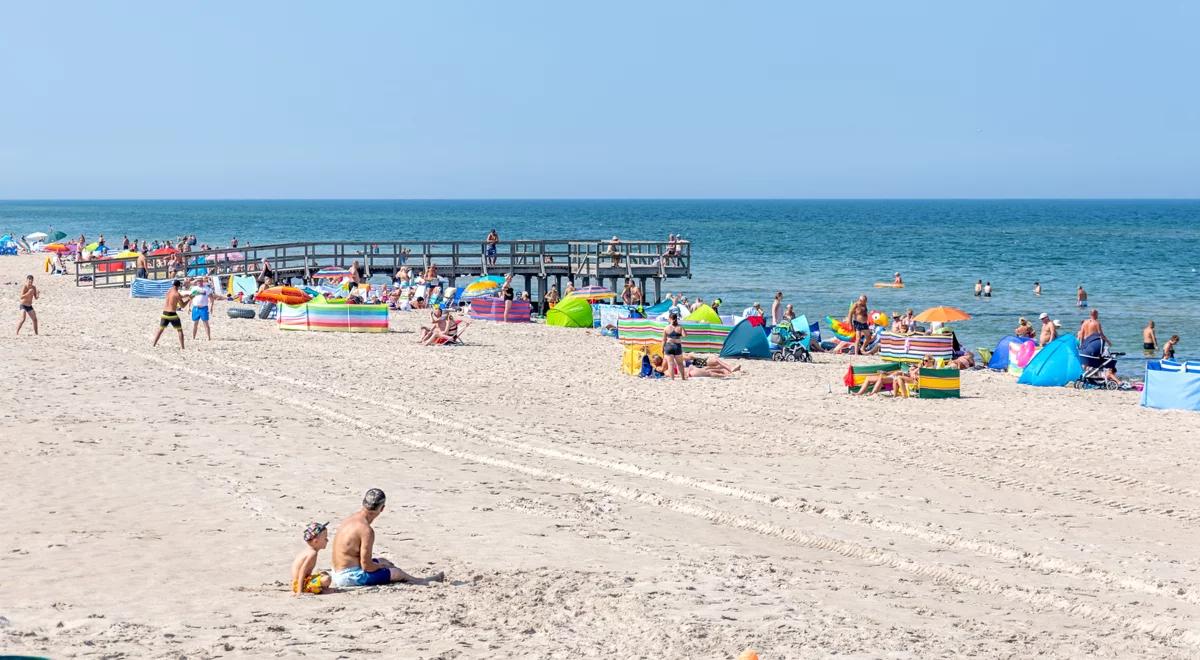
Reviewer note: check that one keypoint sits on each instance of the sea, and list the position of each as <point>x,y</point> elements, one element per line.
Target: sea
<point>1138,260</point>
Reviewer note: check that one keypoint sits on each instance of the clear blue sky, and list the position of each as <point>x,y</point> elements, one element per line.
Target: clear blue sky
<point>601,99</point>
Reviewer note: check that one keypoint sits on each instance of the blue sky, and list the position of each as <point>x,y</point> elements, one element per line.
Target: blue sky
<point>613,99</point>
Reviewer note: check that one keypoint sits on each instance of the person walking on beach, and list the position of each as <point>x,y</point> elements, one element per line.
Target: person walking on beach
<point>29,293</point>
<point>1037,288</point>
<point>776,308</point>
<point>1049,333</point>
<point>1149,340</point>
<point>354,561</point>
<point>672,344</point>
<point>1169,348</point>
<point>861,322</point>
<point>170,313</point>
<point>142,265</point>
<point>978,288</point>
<point>489,249</point>
<point>1080,297</point>
<point>202,297</point>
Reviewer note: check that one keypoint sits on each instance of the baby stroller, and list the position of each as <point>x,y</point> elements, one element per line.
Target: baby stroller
<point>1095,369</point>
<point>792,343</point>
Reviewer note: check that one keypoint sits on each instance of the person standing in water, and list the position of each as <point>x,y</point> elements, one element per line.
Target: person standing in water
<point>29,293</point>
<point>1037,288</point>
<point>1169,348</point>
<point>987,290</point>
<point>1080,297</point>
<point>978,288</point>
<point>170,313</point>
<point>1149,340</point>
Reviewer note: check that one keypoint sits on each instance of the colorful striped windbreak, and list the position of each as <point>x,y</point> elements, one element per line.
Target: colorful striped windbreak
<point>914,348</point>
<point>334,318</point>
<point>701,337</point>
<point>938,383</point>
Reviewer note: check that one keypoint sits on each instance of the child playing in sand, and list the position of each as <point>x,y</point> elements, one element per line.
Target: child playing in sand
<point>303,581</point>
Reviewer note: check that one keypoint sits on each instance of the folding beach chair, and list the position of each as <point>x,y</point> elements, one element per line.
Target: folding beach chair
<point>455,332</point>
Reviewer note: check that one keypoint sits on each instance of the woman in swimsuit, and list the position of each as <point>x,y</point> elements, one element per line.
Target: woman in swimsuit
<point>672,343</point>
<point>506,289</point>
<point>1023,328</point>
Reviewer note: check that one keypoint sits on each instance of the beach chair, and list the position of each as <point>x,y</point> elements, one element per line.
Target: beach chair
<point>856,374</point>
<point>938,383</point>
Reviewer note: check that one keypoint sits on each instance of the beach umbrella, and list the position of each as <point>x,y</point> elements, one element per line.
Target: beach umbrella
<point>230,256</point>
<point>942,315</point>
<point>289,295</point>
<point>332,272</point>
<point>480,288</point>
<point>58,236</point>
<point>126,254</point>
<point>57,247</point>
<point>91,247</point>
<point>164,251</point>
<point>37,236</point>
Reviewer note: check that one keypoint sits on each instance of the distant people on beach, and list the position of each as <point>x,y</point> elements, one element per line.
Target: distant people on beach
<point>777,308</point>
<point>1149,339</point>
<point>1080,297</point>
<point>201,302</point>
<point>1023,328</point>
<point>29,293</point>
<point>507,292</point>
<point>175,301</point>
<point>354,560</point>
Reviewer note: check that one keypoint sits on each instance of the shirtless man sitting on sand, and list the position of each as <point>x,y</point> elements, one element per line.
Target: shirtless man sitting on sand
<point>353,562</point>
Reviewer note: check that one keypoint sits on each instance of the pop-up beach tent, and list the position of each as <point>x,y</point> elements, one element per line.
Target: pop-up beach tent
<point>1171,384</point>
<point>570,312</point>
<point>703,314</point>
<point>746,341</point>
<point>1055,365</point>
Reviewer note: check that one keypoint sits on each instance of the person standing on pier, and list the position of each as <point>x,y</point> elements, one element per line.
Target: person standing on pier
<point>490,248</point>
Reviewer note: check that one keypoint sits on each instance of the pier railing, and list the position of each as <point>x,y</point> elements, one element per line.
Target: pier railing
<point>586,261</point>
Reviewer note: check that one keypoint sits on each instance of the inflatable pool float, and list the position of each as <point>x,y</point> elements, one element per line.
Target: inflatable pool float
<point>888,285</point>
<point>240,313</point>
<point>288,295</point>
<point>840,330</point>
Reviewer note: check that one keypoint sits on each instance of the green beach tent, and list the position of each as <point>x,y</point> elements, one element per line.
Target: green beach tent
<point>570,312</point>
<point>703,314</point>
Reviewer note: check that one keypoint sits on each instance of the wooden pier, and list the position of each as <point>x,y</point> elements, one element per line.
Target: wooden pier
<point>539,263</point>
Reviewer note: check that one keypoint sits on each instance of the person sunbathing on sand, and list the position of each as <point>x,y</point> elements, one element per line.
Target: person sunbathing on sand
<point>711,365</point>
<point>896,379</point>
<point>303,581</point>
<point>354,563</point>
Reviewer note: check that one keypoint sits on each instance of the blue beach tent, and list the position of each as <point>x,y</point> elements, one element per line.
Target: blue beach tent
<point>1000,354</point>
<point>1055,365</point>
<point>746,341</point>
<point>660,308</point>
<point>1171,384</point>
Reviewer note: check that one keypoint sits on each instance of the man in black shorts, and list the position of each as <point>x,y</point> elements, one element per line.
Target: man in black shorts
<point>170,313</point>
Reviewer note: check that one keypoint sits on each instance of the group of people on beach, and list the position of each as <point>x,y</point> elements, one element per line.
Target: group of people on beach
<point>354,563</point>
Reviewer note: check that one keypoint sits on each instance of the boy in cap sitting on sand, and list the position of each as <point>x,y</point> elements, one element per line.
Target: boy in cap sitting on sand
<point>303,581</point>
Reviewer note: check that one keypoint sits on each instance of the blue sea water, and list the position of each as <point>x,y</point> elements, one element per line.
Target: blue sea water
<point>1137,259</point>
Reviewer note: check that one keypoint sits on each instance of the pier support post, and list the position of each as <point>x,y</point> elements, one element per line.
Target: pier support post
<point>657,290</point>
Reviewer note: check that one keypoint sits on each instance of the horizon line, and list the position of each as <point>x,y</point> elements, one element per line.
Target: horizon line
<point>595,199</point>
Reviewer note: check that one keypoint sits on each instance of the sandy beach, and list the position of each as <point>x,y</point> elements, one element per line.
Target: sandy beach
<point>154,499</point>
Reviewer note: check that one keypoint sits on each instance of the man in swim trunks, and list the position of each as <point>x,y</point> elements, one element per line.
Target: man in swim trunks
<point>1049,333</point>
<point>202,295</point>
<point>490,247</point>
<point>1091,340</point>
<point>354,564</point>
<point>142,268</point>
<point>1080,297</point>
<point>29,293</point>
<point>1149,340</point>
<point>860,320</point>
<point>170,313</point>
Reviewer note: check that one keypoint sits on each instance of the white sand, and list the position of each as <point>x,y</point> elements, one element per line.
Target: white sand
<point>152,500</point>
